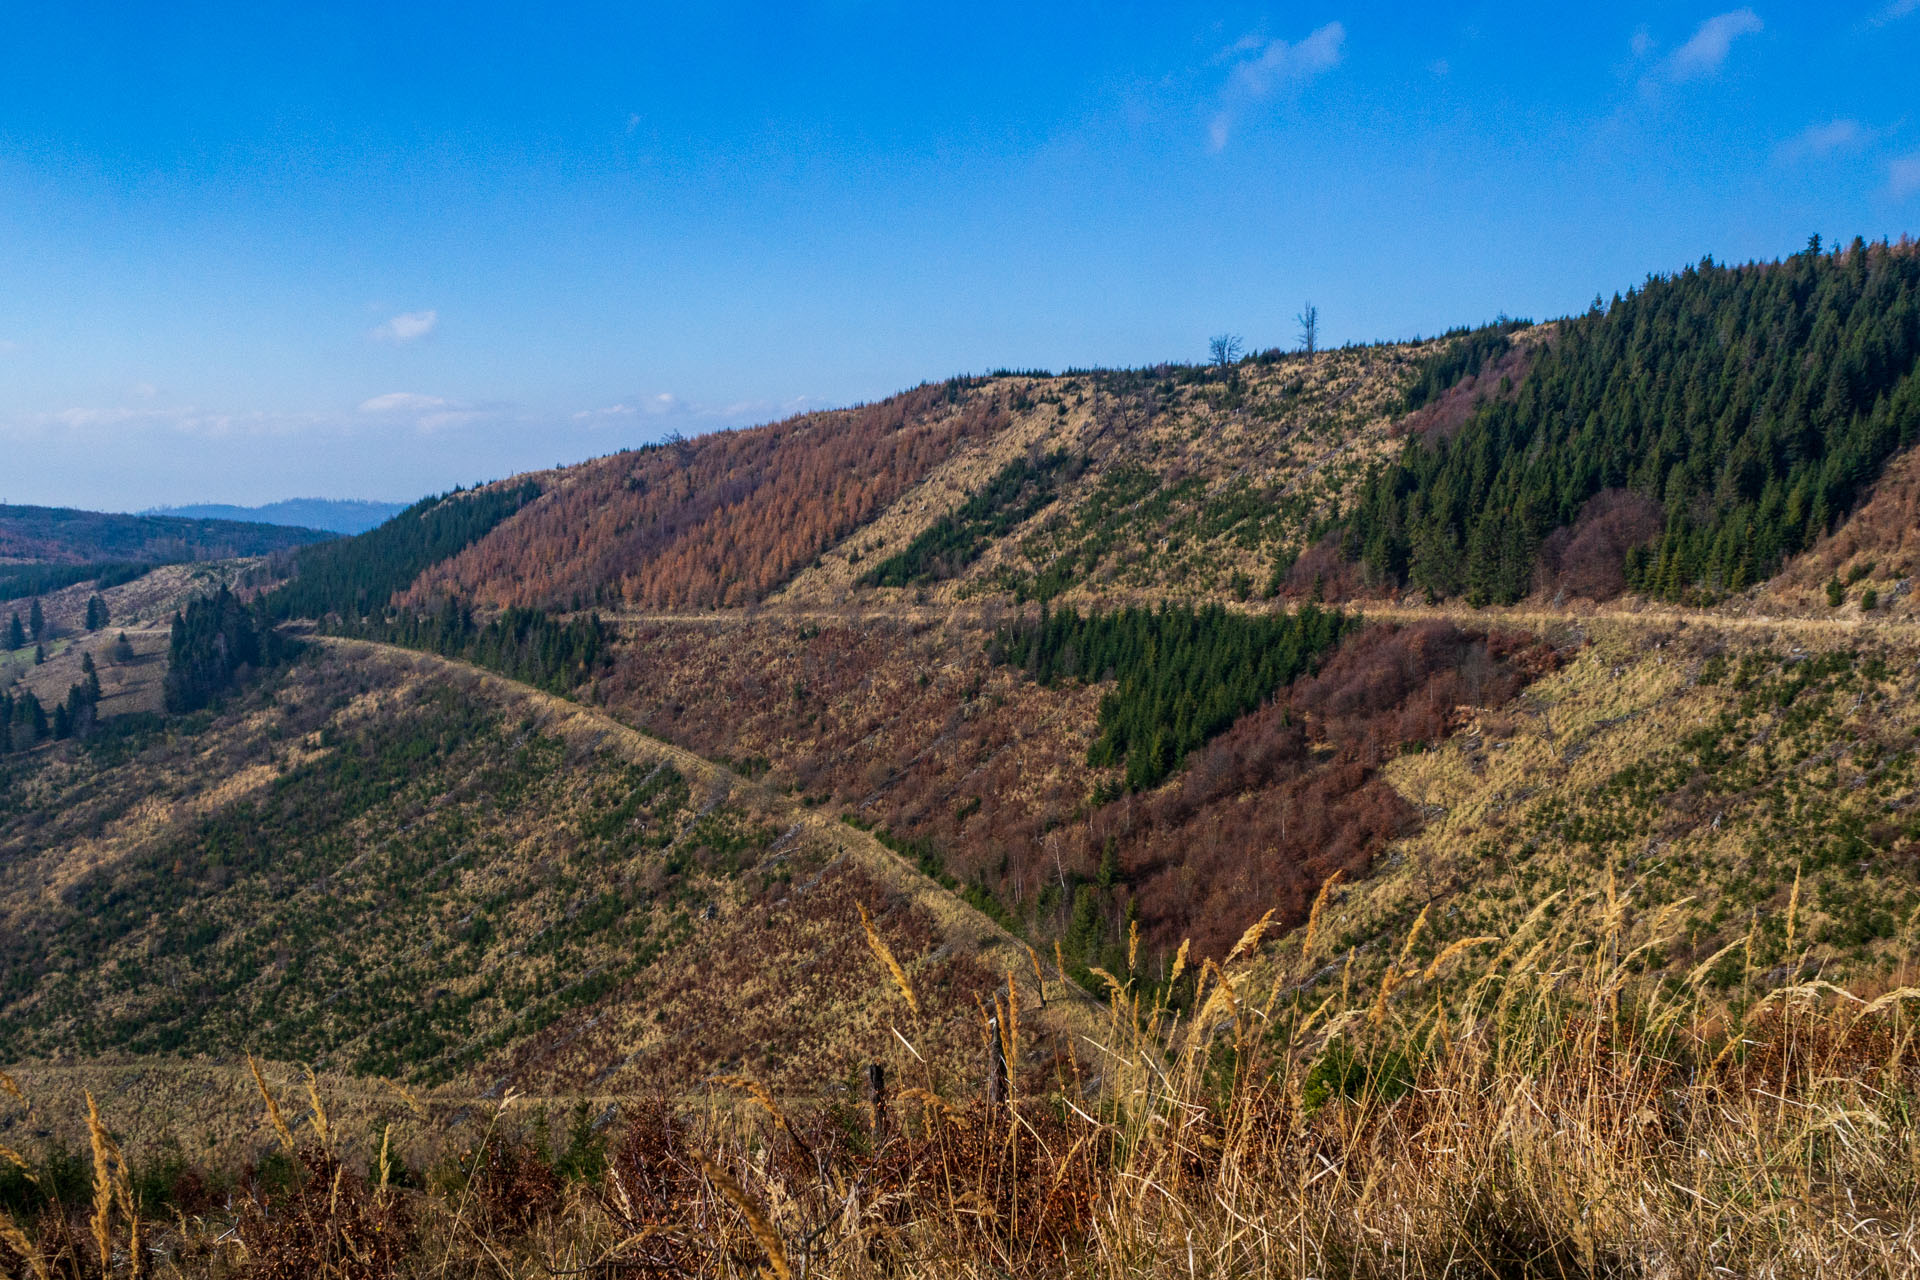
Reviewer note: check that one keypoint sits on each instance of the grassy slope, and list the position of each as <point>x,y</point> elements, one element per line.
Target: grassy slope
<point>393,866</point>
<point>1190,478</point>
<point>1694,768</point>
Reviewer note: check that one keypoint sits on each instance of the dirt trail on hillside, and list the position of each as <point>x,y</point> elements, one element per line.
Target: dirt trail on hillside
<point>1822,630</point>
<point>1069,1008</point>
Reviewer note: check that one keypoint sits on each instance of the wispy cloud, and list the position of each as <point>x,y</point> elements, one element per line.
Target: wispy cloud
<point>667,408</point>
<point>1264,68</point>
<point>1707,51</point>
<point>1903,175</point>
<point>122,423</point>
<point>403,402</point>
<point>408,326</point>
<point>428,413</point>
<point>1817,141</point>
<point>650,406</point>
<point>1894,12</point>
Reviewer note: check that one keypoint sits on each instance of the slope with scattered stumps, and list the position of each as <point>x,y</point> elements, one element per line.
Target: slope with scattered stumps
<point>394,867</point>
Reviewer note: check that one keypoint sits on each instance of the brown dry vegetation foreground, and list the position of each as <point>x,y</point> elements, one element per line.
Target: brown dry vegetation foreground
<point>1527,1104</point>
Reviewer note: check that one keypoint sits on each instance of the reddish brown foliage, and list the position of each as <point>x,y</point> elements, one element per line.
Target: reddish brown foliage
<point>1587,559</point>
<point>990,769</point>
<point>1323,573</point>
<point>514,1187</point>
<point>331,1224</point>
<point>1291,794</point>
<point>719,520</point>
<point>1443,417</point>
<point>653,1179</point>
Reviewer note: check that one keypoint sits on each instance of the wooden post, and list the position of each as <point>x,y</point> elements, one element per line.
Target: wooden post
<point>877,1099</point>
<point>996,1064</point>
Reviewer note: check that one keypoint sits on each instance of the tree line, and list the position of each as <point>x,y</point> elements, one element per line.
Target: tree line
<point>528,645</point>
<point>1181,675</point>
<point>17,581</point>
<point>1750,405</point>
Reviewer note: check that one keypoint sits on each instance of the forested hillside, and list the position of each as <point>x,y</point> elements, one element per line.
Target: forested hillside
<point>809,761</point>
<point>357,577</point>
<point>1685,439</point>
<point>719,520</point>
<point>61,536</point>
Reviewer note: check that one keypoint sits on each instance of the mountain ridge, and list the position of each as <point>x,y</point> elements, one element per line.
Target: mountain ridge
<point>332,515</point>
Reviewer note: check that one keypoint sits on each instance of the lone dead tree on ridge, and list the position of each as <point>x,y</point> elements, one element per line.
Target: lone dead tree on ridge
<point>1309,321</point>
<point>1224,348</point>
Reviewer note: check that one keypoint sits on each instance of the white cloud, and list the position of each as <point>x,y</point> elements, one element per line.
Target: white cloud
<point>1707,51</point>
<point>1894,12</point>
<point>1903,175</point>
<point>1643,43</point>
<point>403,402</point>
<point>1263,68</point>
<point>609,411</point>
<point>120,424</point>
<point>1818,141</point>
<point>408,326</point>
<point>665,407</point>
<point>428,413</point>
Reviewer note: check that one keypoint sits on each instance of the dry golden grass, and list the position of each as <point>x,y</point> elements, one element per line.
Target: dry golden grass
<point>1293,428</point>
<point>1542,1108</point>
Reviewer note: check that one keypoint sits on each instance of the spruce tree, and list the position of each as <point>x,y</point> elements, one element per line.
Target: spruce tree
<point>16,634</point>
<point>37,621</point>
<point>96,613</point>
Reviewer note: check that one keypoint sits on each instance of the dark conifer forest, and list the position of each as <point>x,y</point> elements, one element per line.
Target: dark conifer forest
<point>216,642</point>
<point>957,539</point>
<point>1750,405</point>
<point>1181,675</point>
<point>357,577</point>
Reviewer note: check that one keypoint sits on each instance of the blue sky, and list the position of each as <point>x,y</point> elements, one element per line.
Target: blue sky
<point>255,252</point>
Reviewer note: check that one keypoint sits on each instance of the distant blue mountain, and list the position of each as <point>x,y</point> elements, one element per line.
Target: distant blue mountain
<point>305,513</point>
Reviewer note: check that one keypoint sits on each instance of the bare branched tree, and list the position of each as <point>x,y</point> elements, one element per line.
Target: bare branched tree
<point>1225,349</point>
<point>1309,319</point>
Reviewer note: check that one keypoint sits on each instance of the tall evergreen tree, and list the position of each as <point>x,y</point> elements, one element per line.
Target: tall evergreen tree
<point>96,613</point>
<point>16,633</point>
<point>37,621</point>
